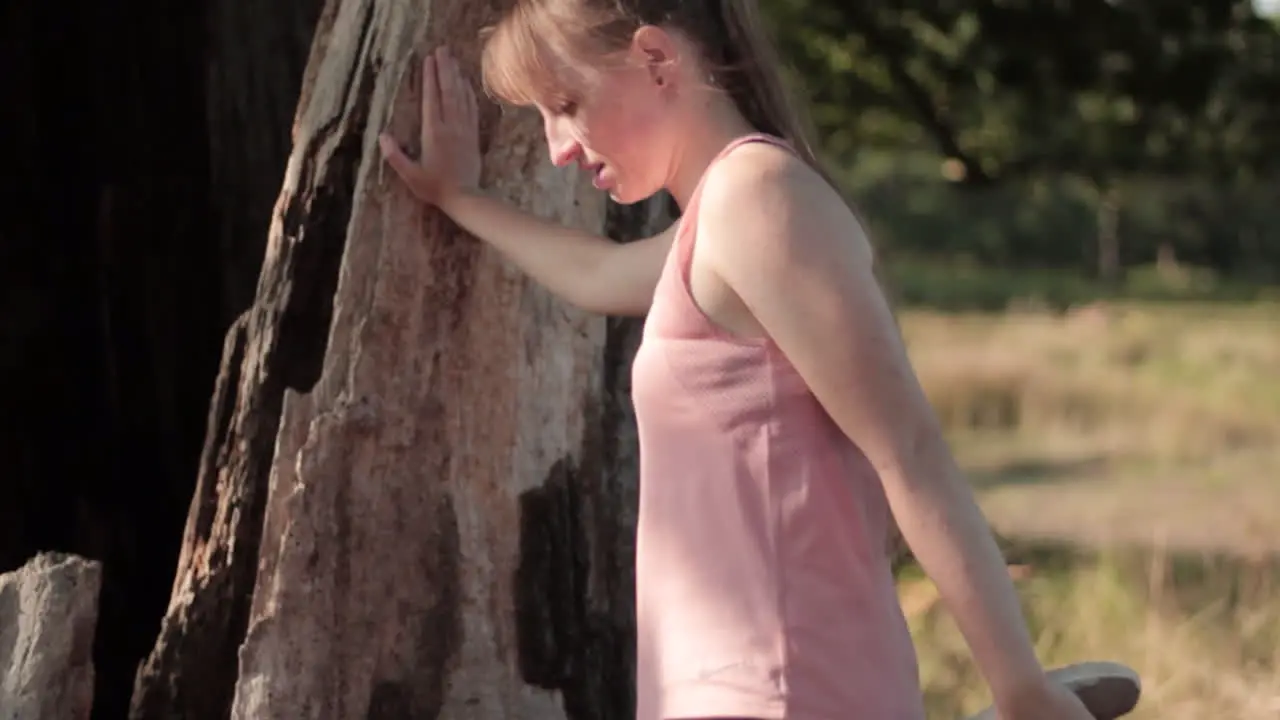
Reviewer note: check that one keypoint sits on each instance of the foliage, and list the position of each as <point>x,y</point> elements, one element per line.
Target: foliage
<point>1019,115</point>
<point>1052,221</point>
<point>1012,87</point>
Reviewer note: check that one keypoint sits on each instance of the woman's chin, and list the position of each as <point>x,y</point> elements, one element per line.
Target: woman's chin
<point>622,196</point>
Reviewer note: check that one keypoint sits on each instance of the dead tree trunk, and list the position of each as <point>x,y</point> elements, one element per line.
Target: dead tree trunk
<point>412,451</point>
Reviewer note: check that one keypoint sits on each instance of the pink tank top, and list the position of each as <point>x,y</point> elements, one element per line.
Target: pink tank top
<point>762,578</point>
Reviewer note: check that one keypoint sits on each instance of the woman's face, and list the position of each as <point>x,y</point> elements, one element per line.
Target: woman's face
<point>618,123</point>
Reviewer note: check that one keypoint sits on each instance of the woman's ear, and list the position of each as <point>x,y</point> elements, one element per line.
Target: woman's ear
<point>656,50</point>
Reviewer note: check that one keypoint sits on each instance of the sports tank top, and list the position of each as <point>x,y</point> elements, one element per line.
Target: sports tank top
<point>763,585</point>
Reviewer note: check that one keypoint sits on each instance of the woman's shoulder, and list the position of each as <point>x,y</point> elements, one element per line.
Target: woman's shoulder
<point>764,163</point>
<point>763,197</point>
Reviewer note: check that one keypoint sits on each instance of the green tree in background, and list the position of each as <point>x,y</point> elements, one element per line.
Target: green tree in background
<point>1042,132</point>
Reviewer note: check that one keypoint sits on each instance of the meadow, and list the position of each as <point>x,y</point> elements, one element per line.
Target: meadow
<point>1125,444</point>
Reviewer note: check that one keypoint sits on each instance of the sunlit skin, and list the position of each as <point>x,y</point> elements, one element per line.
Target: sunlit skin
<point>780,256</point>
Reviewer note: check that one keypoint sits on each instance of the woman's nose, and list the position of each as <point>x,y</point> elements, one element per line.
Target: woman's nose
<point>564,149</point>
<point>563,153</point>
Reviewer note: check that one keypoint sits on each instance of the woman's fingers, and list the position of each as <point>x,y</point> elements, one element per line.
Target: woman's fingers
<point>447,72</point>
<point>449,135</point>
<point>405,167</point>
<point>456,93</point>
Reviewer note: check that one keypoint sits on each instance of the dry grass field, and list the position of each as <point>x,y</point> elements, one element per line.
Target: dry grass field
<point>1131,454</point>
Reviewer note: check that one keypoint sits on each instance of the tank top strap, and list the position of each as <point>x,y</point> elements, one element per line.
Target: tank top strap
<point>684,240</point>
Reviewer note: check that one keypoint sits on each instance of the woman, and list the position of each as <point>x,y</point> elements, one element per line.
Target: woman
<point>781,427</point>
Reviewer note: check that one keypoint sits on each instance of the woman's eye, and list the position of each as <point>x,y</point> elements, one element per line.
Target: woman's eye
<point>568,107</point>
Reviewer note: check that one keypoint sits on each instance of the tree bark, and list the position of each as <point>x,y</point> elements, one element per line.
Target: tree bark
<point>454,418</point>
<point>417,462</point>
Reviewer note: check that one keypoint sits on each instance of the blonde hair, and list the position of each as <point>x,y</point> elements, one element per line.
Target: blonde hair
<point>531,53</point>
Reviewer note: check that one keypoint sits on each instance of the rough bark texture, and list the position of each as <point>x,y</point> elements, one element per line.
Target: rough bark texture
<point>425,552</point>
<point>274,345</point>
<point>446,531</point>
<point>48,611</point>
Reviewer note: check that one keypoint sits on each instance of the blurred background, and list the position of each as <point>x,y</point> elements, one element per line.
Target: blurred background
<point>1077,205</point>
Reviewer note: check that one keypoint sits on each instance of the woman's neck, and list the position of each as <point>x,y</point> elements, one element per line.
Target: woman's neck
<point>707,132</point>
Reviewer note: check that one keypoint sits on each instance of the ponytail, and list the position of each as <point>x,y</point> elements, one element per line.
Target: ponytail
<point>751,72</point>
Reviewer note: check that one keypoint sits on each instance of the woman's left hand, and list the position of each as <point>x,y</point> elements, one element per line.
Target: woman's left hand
<point>1050,701</point>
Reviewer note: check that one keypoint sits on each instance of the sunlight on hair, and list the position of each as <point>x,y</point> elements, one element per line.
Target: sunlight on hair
<point>531,55</point>
<point>516,67</point>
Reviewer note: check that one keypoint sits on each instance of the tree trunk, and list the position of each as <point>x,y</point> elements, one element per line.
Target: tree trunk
<point>436,456</point>
<point>1109,234</point>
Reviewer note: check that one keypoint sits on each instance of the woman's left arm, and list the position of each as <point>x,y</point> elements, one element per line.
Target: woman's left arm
<point>796,255</point>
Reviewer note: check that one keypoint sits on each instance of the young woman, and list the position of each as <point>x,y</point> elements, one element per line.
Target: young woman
<point>780,422</point>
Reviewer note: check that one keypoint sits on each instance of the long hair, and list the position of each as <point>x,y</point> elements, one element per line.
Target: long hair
<point>527,53</point>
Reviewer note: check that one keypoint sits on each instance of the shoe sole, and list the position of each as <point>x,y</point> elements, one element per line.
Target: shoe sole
<point>1109,690</point>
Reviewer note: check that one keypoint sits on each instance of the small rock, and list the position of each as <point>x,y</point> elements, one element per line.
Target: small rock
<point>48,613</point>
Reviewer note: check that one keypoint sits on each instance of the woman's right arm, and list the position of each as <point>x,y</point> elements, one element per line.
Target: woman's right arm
<point>585,269</point>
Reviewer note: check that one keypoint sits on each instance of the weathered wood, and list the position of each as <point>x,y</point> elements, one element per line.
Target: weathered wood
<point>424,551</point>
<point>451,487</point>
<point>276,344</point>
<point>48,613</point>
